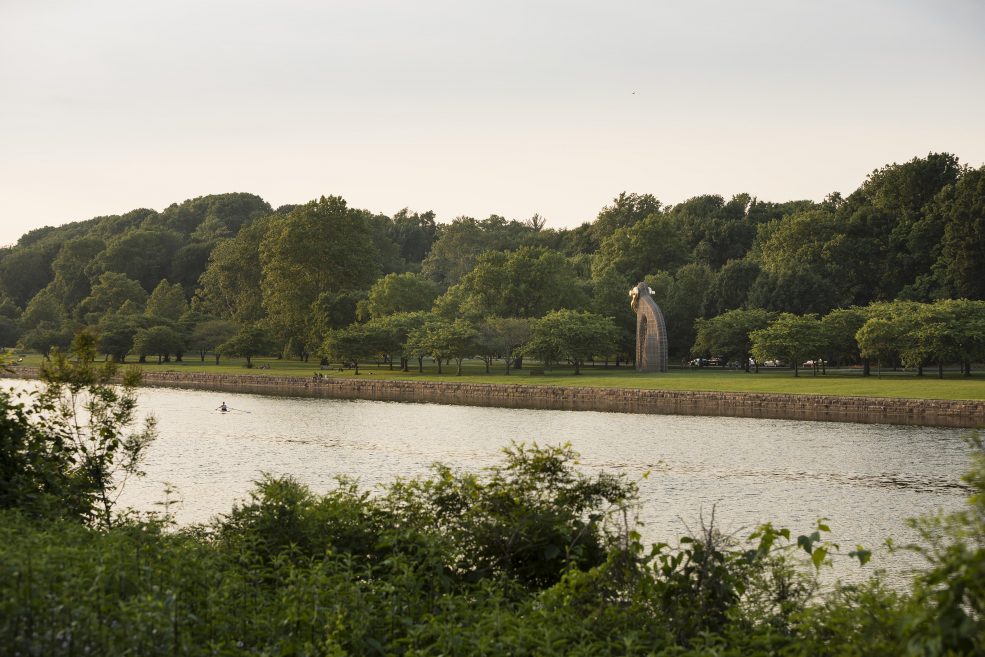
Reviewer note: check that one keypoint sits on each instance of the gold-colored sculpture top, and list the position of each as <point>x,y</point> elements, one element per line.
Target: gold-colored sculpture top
<point>635,294</point>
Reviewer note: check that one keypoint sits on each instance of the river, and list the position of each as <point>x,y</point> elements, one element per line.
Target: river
<point>865,478</point>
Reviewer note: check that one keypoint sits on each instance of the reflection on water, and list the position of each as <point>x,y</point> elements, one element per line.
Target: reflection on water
<point>867,479</point>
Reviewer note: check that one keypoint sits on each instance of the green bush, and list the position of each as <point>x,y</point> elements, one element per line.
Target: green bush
<point>530,557</point>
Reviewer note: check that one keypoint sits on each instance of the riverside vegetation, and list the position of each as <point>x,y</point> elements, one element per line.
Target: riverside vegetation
<point>530,557</point>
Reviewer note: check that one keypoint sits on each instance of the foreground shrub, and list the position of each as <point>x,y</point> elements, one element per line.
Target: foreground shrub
<point>522,559</point>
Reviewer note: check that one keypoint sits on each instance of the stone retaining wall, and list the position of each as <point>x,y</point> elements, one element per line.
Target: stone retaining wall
<point>925,412</point>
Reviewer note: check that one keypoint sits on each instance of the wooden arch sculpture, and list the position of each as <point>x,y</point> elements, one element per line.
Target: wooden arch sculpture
<point>651,331</point>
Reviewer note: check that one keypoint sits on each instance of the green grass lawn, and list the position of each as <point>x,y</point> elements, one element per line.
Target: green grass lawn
<point>841,382</point>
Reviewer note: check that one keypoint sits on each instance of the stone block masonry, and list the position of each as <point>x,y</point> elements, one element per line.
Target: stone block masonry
<point>922,412</point>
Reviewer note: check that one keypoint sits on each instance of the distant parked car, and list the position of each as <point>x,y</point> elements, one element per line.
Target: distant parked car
<point>716,361</point>
<point>772,363</point>
<point>815,363</point>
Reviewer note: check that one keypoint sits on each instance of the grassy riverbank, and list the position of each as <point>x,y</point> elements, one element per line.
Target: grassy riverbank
<point>847,382</point>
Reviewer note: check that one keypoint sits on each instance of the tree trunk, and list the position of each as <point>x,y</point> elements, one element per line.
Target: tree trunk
<point>577,366</point>
<point>217,359</point>
<point>459,371</point>
<point>919,370</point>
<point>439,365</point>
<point>249,362</point>
<point>866,368</point>
<point>940,369</point>
<point>518,363</point>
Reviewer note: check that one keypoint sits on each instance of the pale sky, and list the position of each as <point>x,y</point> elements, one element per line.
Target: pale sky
<point>472,108</point>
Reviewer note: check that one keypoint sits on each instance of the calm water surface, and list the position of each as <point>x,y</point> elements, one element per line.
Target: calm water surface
<point>867,479</point>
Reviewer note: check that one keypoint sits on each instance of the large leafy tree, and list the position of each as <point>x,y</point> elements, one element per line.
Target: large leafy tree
<point>230,286</point>
<point>398,293</point>
<point>716,231</point>
<point>961,210</point>
<point>460,243</point>
<point>502,337</point>
<point>652,245</point>
<point>117,329</point>
<point>160,340</point>
<point>248,342</point>
<point>626,210</point>
<point>110,293</point>
<point>797,242</point>
<point>902,194</point>
<point>571,335</point>
<point>167,301</point>
<point>322,246</point>
<point>839,328</point>
<point>883,336</point>
<point>441,338</point>
<point>355,343</point>
<point>789,338</point>
<point>332,310</point>
<point>44,308</point>
<point>528,282</point>
<point>728,334</point>
<point>730,287</point>
<point>800,291</point>
<point>143,255</point>
<point>189,263</point>
<point>71,282</point>
<point>26,270</point>
<point>414,233</point>
<point>208,335</point>
<point>397,328</point>
<point>221,214</point>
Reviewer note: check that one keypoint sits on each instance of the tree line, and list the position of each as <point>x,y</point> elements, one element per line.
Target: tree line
<point>907,333</point>
<point>229,274</point>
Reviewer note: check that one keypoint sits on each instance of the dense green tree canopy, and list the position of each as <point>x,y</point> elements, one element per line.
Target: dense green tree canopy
<point>143,255</point>
<point>167,301</point>
<point>112,290</point>
<point>399,293</point>
<point>910,231</point>
<point>528,282</point>
<point>790,338</point>
<point>727,335</point>
<point>248,342</point>
<point>571,335</point>
<point>322,246</point>
<point>652,245</point>
<point>230,284</point>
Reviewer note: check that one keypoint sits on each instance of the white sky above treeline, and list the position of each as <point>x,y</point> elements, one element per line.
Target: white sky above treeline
<point>472,108</point>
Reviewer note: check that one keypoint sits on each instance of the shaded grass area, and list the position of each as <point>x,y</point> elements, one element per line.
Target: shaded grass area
<point>845,382</point>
